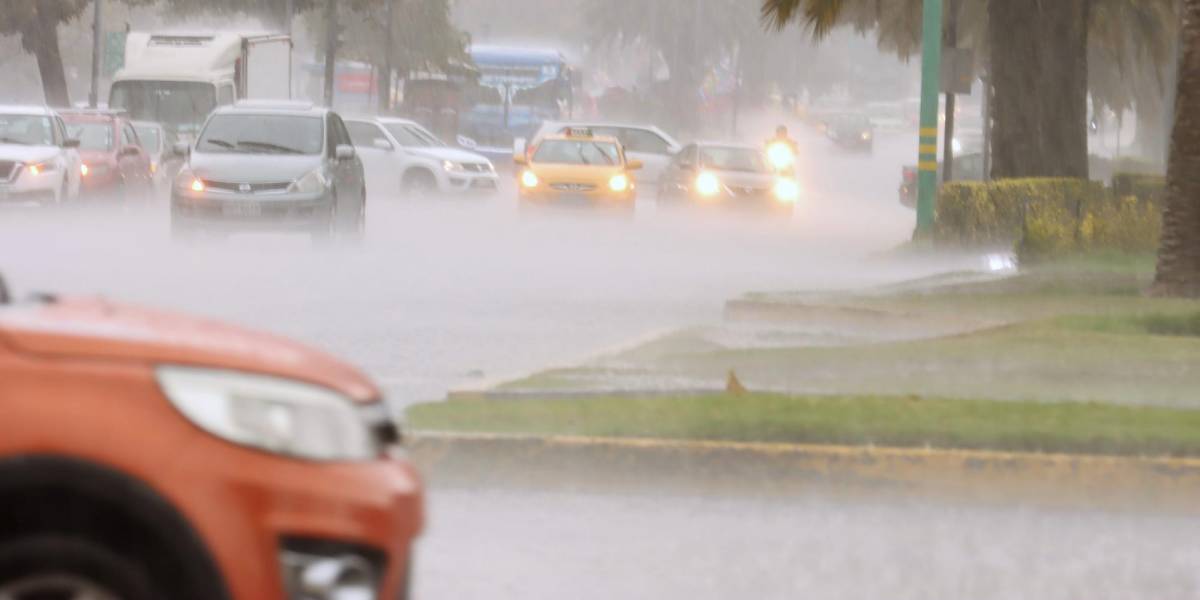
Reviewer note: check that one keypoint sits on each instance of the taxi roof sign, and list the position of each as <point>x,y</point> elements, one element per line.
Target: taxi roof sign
<point>579,132</point>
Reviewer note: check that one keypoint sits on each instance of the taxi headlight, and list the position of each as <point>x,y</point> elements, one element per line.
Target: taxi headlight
<point>529,179</point>
<point>787,190</point>
<point>780,155</point>
<point>618,182</point>
<point>707,184</point>
<point>314,182</point>
<point>278,415</point>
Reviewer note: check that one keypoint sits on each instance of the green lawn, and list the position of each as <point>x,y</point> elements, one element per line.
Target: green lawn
<point>861,420</point>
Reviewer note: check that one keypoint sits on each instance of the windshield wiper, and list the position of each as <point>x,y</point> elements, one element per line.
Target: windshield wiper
<point>221,143</point>
<point>270,146</point>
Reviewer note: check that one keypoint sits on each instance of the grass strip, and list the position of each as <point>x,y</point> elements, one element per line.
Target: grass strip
<point>1084,428</point>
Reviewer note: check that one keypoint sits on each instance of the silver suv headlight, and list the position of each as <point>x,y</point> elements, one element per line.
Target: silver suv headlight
<point>275,414</point>
<point>313,182</point>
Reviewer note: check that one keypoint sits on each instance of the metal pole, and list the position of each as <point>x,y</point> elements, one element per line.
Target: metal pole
<point>948,143</point>
<point>931,65</point>
<point>97,48</point>
<point>385,103</point>
<point>330,48</point>
<point>289,10</point>
<point>737,88</point>
<point>986,101</point>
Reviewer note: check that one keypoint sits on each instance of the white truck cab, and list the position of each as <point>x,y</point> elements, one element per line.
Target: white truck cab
<point>176,79</point>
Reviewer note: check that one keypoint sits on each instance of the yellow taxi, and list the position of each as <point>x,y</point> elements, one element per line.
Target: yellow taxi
<point>576,168</point>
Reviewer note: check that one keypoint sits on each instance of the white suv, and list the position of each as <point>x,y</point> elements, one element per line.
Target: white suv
<point>39,164</point>
<point>400,155</point>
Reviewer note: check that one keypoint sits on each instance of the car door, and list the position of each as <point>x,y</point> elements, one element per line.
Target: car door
<point>347,173</point>
<point>131,159</point>
<point>648,147</point>
<point>378,155</point>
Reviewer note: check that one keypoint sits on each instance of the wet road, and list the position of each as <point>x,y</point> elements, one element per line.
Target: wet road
<point>465,291</point>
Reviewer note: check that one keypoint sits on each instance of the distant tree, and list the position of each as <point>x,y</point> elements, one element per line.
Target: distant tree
<point>36,21</point>
<point>1178,271</point>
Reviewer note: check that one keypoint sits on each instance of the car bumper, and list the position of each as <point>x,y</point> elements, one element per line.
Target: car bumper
<point>470,183</point>
<point>593,199</point>
<point>31,189</point>
<point>250,211</point>
<point>261,515</point>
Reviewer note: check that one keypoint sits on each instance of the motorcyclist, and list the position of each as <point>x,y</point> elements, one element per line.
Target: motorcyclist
<point>782,151</point>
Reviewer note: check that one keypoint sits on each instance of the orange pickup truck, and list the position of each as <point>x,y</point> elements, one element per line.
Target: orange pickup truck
<point>146,455</point>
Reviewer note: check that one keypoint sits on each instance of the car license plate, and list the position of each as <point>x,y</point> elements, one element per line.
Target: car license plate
<point>241,209</point>
<point>573,199</point>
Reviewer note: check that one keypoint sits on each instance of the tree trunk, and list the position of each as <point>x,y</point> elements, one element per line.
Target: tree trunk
<point>1016,136</point>
<point>1179,255</point>
<point>42,40</point>
<point>1039,70</point>
<point>1064,87</point>
<point>331,43</point>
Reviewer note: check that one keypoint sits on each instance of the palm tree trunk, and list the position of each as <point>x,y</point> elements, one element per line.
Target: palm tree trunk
<point>44,45</point>
<point>1038,46</point>
<point>1179,255</point>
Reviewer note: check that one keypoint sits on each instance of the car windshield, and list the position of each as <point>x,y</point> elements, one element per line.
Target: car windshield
<point>577,152</point>
<point>27,130</point>
<point>179,105</point>
<point>262,134</point>
<point>96,135</point>
<point>722,158</point>
<point>411,136</point>
<point>149,136</point>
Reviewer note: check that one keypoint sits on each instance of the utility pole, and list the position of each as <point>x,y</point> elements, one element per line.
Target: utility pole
<point>289,14</point>
<point>931,65</point>
<point>948,143</point>
<point>331,42</point>
<point>385,93</point>
<point>97,38</point>
<point>986,102</point>
<point>737,88</point>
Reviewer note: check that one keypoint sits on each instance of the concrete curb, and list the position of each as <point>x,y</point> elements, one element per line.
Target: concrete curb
<point>602,464</point>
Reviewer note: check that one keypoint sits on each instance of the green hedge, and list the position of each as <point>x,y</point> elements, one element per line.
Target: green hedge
<point>1052,217</point>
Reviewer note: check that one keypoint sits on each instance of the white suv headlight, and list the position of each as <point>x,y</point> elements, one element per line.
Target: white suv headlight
<point>313,182</point>
<point>278,415</point>
<point>451,167</point>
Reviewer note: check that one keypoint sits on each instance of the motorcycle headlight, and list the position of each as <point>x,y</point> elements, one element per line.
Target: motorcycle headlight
<point>787,190</point>
<point>618,182</point>
<point>707,184</point>
<point>780,155</point>
<point>312,183</point>
<point>451,167</point>
<point>274,414</point>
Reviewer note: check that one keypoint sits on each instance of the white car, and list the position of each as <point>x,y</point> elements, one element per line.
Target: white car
<point>39,164</point>
<point>646,143</point>
<point>400,155</point>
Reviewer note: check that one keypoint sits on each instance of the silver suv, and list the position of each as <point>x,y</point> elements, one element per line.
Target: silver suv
<point>270,166</point>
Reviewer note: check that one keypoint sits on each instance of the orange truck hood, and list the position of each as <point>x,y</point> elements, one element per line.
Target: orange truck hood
<point>101,330</point>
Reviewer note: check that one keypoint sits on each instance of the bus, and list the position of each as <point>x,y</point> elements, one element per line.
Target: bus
<point>517,89</point>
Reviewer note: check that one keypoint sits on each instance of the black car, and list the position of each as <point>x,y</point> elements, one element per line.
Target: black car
<point>853,132</point>
<point>260,166</point>
<point>726,175</point>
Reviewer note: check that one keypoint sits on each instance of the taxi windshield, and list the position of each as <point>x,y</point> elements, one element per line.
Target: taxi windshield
<point>577,152</point>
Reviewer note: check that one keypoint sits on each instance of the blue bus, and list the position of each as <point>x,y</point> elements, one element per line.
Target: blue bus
<point>517,89</point>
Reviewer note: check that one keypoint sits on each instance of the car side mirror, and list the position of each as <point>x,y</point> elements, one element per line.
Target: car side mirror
<point>181,149</point>
<point>71,143</point>
<point>130,151</point>
<point>634,165</point>
<point>382,144</point>
<point>343,152</point>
